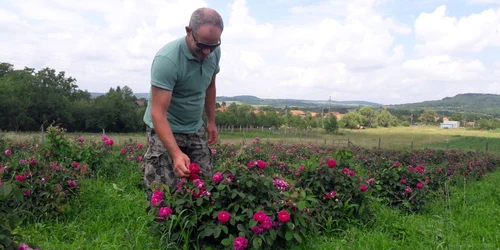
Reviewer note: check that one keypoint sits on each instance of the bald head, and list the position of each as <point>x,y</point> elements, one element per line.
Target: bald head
<point>203,16</point>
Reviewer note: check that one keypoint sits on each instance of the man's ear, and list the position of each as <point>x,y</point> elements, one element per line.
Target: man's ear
<point>188,29</point>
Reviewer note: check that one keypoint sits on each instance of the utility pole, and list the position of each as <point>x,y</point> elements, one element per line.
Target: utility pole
<point>329,105</point>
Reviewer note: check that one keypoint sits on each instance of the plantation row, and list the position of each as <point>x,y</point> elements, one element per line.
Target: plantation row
<point>260,196</point>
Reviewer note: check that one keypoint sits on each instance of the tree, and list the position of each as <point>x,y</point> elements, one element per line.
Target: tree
<point>428,116</point>
<point>369,114</point>
<point>331,125</point>
<point>353,119</point>
<point>386,119</point>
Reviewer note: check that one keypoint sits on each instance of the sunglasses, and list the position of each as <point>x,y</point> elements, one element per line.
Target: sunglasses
<point>211,47</point>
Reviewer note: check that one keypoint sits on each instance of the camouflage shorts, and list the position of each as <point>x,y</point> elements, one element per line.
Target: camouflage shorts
<point>158,163</point>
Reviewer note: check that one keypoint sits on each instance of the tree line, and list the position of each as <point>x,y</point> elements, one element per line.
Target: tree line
<point>30,99</point>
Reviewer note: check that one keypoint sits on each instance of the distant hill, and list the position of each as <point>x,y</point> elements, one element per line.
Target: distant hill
<point>278,103</point>
<point>138,95</point>
<point>469,102</point>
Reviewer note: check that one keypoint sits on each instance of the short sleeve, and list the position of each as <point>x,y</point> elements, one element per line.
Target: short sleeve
<point>163,73</point>
<point>217,56</point>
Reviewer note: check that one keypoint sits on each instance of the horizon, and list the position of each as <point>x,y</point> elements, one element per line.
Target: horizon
<point>382,104</point>
<point>382,51</point>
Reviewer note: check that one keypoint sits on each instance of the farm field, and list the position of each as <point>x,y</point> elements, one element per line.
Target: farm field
<point>394,137</point>
<point>452,200</point>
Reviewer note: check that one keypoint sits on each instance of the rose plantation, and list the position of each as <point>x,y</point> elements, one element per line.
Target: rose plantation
<point>260,196</point>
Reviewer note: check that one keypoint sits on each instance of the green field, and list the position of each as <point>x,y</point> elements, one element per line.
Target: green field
<point>395,137</point>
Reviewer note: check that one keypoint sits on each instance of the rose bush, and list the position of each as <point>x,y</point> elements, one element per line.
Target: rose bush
<point>239,208</point>
<point>41,179</point>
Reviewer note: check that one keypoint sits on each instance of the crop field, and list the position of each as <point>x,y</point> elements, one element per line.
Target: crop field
<point>268,191</point>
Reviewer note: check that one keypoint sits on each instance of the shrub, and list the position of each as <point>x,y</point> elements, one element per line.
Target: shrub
<point>240,207</point>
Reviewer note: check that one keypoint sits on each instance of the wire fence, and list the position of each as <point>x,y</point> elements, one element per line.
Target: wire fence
<point>309,136</point>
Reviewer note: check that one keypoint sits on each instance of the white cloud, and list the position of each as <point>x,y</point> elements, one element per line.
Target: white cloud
<point>344,49</point>
<point>444,68</point>
<point>438,33</point>
<point>242,26</point>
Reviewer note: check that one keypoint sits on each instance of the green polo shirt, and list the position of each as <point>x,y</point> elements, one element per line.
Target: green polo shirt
<point>175,68</point>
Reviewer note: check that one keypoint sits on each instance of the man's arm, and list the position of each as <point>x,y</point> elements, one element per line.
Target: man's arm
<point>163,79</point>
<point>160,99</point>
<point>210,102</point>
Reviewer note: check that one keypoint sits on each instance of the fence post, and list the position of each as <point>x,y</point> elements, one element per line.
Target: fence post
<point>487,147</point>
<point>348,142</point>
<point>446,144</point>
<point>411,143</point>
<point>379,139</point>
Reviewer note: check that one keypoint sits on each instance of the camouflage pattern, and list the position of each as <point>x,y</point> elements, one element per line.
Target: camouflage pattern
<point>158,164</point>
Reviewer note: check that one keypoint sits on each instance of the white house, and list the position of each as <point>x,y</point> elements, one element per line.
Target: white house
<point>450,124</point>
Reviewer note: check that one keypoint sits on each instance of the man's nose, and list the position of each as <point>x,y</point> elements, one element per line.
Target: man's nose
<point>206,51</point>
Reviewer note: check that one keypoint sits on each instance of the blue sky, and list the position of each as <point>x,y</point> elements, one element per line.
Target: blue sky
<point>385,51</point>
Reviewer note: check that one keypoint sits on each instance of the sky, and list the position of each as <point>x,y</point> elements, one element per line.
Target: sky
<point>384,51</point>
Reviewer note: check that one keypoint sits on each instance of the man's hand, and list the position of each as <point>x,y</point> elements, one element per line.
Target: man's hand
<point>181,165</point>
<point>213,135</point>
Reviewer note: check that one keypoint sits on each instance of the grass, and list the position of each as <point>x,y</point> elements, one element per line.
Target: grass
<point>105,216</point>
<point>469,219</point>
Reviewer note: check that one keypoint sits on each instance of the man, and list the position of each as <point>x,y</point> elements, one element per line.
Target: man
<point>182,86</point>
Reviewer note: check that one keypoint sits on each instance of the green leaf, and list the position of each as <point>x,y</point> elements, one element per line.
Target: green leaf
<point>224,228</point>
<point>208,231</point>
<point>226,242</point>
<point>241,228</point>
<point>257,242</point>
<point>273,234</point>
<point>199,202</point>
<point>5,190</point>
<point>217,232</point>
<point>297,237</point>
<point>252,223</point>
<point>301,205</point>
<point>288,236</point>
